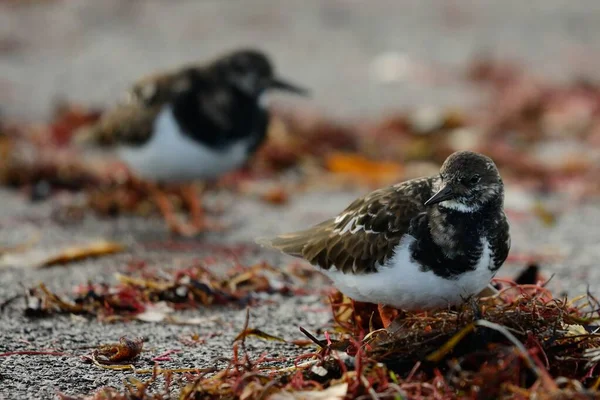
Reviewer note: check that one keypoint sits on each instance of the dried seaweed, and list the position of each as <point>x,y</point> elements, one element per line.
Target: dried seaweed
<point>72,254</point>
<point>149,295</point>
<point>502,346</point>
<point>516,344</point>
<point>257,333</point>
<point>365,171</point>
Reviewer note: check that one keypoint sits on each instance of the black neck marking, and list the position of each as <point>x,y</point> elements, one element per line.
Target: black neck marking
<point>457,246</point>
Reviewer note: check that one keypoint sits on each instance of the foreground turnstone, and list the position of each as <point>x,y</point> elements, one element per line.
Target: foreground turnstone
<point>422,244</point>
<point>193,123</point>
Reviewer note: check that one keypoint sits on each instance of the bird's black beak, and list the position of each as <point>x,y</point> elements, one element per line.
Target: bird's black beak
<point>288,87</point>
<point>443,194</point>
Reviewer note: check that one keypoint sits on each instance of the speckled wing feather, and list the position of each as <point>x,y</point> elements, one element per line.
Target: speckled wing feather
<point>364,235</point>
<point>161,88</point>
<point>130,124</point>
<point>131,121</point>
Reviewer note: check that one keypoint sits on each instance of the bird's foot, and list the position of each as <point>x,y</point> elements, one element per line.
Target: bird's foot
<point>387,314</point>
<point>195,228</point>
<point>184,230</point>
<point>208,225</point>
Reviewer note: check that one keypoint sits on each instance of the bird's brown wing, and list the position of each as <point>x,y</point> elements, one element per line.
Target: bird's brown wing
<point>364,235</point>
<point>132,120</point>
<point>191,90</point>
<point>162,87</point>
<point>130,124</point>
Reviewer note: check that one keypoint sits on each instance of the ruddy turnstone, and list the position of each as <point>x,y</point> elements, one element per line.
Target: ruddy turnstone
<point>192,123</point>
<point>422,244</point>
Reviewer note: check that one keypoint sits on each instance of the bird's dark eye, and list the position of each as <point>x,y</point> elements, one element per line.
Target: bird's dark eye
<point>474,179</point>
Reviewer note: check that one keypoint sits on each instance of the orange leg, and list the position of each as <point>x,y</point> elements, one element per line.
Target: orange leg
<point>194,205</point>
<point>166,209</point>
<point>387,314</point>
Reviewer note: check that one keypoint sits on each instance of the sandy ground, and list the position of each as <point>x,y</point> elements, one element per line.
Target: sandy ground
<point>88,51</point>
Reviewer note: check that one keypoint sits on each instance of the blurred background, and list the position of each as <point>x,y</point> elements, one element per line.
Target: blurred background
<point>360,58</point>
<point>396,87</point>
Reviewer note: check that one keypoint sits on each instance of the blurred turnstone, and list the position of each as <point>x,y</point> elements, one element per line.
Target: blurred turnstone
<point>422,244</point>
<point>193,123</point>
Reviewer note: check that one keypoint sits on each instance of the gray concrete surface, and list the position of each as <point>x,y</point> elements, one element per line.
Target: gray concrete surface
<point>89,50</point>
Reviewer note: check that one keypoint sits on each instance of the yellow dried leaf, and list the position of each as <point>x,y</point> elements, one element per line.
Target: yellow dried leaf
<point>575,330</point>
<point>258,333</point>
<point>97,249</point>
<point>362,168</point>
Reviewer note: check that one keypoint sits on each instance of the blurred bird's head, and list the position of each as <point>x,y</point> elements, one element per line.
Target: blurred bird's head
<point>251,73</point>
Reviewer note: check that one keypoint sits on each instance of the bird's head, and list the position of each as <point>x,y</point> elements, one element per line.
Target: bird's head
<point>468,181</point>
<point>251,73</point>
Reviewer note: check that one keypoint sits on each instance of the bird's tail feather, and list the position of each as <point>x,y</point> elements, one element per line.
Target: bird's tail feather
<point>290,243</point>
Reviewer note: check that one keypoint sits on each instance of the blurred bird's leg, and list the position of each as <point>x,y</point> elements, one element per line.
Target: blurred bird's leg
<point>387,314</point>
<point>166,209</point>
<point>193,202</point>
<point>192,199</point>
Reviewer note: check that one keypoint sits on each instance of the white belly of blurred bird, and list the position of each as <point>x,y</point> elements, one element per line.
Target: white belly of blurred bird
<point>402,284</point>
<point>171,156</point>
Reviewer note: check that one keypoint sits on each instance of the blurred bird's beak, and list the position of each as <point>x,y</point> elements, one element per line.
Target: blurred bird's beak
<point>443,194</point>
<point>288,87</point>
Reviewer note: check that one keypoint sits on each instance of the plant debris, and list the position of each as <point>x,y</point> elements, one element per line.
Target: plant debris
<point>126,350</point>
<point>73,254</point>
<point>367,171</point>
<point>276,196</point>
<point>519,343</point>
<point>257,333</point>
<point>151,295</point>
<point>40,258</point>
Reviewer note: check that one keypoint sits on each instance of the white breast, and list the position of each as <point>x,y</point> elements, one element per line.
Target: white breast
<point>171,156</point>
<point>401,283</point>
